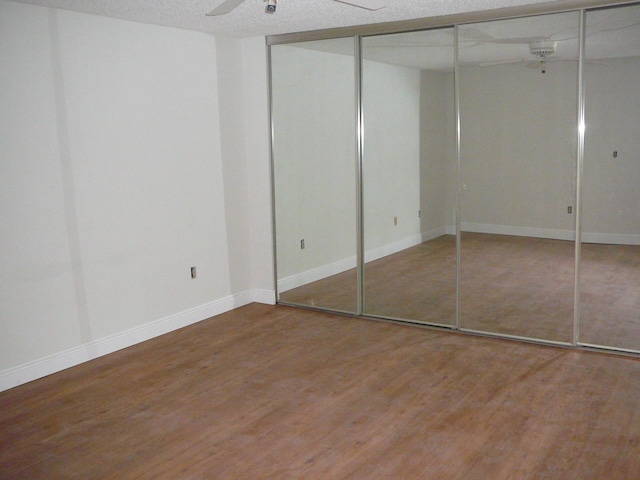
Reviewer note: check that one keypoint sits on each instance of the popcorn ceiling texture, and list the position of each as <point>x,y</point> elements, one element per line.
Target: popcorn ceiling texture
<point>249,19</point>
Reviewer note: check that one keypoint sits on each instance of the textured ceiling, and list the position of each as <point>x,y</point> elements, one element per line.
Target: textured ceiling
<point>250,19</point>
<point>616,34</point>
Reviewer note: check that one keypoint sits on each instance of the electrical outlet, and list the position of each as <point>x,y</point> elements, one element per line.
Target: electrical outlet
<point>569,209</point>
<point>194,274</point>
<point>302,244</point>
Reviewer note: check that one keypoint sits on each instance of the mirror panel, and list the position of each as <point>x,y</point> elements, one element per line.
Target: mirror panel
<point>610,265</point>
<point>409,182</point>
<point>518,115</point>
<point>314,165</point>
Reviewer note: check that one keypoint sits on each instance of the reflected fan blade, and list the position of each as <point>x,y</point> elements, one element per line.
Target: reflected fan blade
<point>224,7</point>
<point>517,40</point>
<point>500,62</point>
<point>474,33</point>
<point>367,4</point>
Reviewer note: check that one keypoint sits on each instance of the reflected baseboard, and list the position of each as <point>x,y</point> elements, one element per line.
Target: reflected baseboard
<point>611,238</point>
<point>438,232</point>
<point>324,271</point>
<point>315,274</point>
<point>551,233</point>
<point>391,248</point>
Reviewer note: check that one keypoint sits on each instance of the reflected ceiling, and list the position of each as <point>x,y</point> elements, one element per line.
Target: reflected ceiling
<point>616,35</point>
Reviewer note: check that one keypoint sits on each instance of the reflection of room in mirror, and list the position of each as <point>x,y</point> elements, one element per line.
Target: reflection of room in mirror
<point>610,260</point>
<point>510,188</point>
<point>313,97</point>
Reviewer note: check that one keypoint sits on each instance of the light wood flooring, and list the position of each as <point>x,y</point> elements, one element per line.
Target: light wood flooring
<point>274,392</point>
<point>519,286</point>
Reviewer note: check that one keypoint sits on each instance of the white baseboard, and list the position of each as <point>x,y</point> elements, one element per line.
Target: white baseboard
<point>264,296</point>
<point>12,377</point>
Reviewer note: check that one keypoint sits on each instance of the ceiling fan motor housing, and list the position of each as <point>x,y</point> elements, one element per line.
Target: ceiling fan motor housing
<point>542,48</point>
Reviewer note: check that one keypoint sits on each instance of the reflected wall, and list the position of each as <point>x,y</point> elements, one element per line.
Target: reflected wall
<point>518,144</point>
<point>314,145</point>
<point>408,170</point>
<point>459,201</point>
<point>610,266</point>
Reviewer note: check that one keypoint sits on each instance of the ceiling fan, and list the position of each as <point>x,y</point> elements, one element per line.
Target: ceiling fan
<point>228,5</point>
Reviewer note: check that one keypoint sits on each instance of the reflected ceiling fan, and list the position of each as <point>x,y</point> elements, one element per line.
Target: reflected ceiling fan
<point>228,5</point>
<point>540,50</point>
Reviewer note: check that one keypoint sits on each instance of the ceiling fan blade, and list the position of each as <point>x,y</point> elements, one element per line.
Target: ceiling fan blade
<point>224,7</point>
<point>367,4</point>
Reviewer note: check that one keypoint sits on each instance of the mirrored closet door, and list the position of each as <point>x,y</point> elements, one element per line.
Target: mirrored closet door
<point>408,174</point>
<point>440,176</point>
<point>314,164</point>
<point>610,266</point>
<point>518,87</point>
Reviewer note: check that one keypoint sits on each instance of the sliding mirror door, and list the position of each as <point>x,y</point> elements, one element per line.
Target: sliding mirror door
<point>518,114</point>
<point>314,152</point>
<point>610,267</point>
<point>408,171</point>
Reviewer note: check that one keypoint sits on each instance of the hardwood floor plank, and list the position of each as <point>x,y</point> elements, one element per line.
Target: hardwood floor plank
<point>277,392</point>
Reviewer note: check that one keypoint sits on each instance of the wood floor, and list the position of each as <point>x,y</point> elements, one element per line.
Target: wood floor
<point>518,286</point>
<point>272,392</point>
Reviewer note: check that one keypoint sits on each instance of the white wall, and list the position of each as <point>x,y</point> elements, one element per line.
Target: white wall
<point>244,135</point>
<point>234,163</point>
<point>257,138</point>
<point>42,305</point>
<point>115,180</point>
